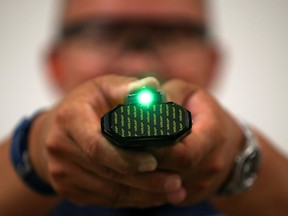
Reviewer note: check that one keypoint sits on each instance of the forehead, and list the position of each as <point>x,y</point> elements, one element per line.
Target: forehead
<point>133,9</point>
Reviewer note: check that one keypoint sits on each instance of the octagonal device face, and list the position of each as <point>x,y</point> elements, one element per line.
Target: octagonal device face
<point>161,122</point>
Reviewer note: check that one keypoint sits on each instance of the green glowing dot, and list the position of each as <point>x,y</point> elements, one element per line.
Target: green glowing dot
<point>145,97</point>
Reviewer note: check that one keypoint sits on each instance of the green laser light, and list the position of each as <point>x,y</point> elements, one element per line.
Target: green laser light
<point>145,97</point>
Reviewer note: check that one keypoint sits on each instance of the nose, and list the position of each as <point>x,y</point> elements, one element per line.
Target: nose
<point>137,55</point>
<point>137,63</point>
<point>139,42</point>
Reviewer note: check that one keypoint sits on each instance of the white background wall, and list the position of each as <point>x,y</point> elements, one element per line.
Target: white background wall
<point>254,39</point>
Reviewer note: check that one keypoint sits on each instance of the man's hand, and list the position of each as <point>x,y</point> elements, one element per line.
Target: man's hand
<point>69,151</point>
<point>205,158</point>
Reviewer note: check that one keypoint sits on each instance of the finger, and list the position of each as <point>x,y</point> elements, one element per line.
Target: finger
<point>99,150</point>
<point>188,153</point>
<point>205,131</point>
<point>157,181</point>
<point>126,162</point>
<point>70,180</point>
<point>151,181</point>
<point>119,195</point>
<point>111,90</point>
<point>82,125</point>
<point>114,89</point>
<point>178,91</point>
<point>65,148</point>
<point>145,82</point>
<point>71,187</point>
<point>84,130</point>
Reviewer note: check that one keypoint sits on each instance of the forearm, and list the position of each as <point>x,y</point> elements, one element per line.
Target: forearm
<point>16,198</point>
<point>269,194</point>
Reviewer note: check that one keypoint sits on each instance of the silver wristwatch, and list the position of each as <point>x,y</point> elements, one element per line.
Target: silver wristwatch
<point>246,165</point>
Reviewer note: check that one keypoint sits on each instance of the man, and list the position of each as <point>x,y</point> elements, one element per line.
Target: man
<point>104,46</point>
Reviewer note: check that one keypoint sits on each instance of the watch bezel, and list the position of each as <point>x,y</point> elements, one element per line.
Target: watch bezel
<point>242,178</point>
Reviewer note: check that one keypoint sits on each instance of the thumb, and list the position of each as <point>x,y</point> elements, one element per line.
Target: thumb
<point>178,91</point>
<point>114,89</point>
<point>111,90</point>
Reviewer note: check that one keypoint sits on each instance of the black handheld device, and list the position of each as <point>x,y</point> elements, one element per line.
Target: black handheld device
<point>146,120</point>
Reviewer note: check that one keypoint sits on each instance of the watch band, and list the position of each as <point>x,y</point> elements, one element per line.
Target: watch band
<point>246,165</point>
<point>20,159</point>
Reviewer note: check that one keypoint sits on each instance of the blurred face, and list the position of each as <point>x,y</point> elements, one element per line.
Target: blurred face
<point>164,38</point>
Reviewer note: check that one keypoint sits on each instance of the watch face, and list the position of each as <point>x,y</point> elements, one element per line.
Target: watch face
<point>250,168</point>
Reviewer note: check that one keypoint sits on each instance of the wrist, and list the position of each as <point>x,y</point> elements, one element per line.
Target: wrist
<point>37,154</point>
<point>20,154</point>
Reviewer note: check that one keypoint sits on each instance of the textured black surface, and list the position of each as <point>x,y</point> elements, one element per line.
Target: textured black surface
<point>133,125</point>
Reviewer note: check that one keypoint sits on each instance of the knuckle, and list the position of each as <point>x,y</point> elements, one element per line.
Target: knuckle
<point>216,167</point>
<point>63,114</point>
<point>52,144</point>
<point>93,149</point>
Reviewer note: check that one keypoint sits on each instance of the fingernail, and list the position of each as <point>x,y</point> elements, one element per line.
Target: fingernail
<point>148,165</point>
<point>177,197</point>
<point>172,184</point>
<point>148,81</point>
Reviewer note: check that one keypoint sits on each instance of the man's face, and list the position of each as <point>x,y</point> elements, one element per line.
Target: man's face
<point>164,38</point>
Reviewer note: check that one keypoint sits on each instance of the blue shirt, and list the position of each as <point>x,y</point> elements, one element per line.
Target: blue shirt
<point>67,208</point>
